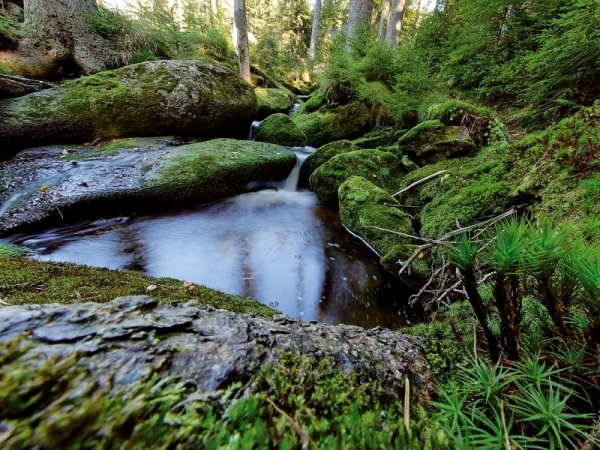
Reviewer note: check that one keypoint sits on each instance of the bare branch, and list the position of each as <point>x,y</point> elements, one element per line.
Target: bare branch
<point>422,180</point>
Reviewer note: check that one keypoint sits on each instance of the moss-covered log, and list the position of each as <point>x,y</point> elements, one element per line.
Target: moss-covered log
<point>187,98</point>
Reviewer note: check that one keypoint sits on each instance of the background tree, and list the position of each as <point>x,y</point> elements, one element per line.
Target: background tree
<point>243,52</point>
<point>384,18</point>
<point>395,23</point>
<point>359,19</point>
<point>314,36</point>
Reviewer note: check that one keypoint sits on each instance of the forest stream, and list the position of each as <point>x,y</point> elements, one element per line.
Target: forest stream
<point>278,245</point>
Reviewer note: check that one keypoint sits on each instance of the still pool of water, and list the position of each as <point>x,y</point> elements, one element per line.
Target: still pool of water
<point>280,247</point>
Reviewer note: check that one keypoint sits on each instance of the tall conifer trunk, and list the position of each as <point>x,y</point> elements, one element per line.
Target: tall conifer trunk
<point>359,18</point>
<point>395,23</point>
<point>239,17</point>
<point>314,36</point>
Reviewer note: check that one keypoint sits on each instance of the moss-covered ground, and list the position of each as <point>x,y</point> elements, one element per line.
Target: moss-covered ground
<point>26,281</point>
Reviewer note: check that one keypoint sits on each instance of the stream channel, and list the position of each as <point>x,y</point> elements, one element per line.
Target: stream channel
<point>278,245</point>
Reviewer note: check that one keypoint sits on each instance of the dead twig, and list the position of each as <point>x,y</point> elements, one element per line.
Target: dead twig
<point>294,424</point>
<point>406,403</point>
<point>444,239</point>
<point>422,180</point>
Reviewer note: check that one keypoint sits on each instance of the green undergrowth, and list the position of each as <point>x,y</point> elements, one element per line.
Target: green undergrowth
<point>296,403</point>
<point>24,281</point>
<point>472,189</point>
<point>559,166</point>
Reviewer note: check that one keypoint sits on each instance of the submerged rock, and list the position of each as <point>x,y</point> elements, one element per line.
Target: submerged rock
<point>185,98</point>
<point>121,342</point>
<point>47,185</point>
<point>279,129</point>
<point>375,216</point>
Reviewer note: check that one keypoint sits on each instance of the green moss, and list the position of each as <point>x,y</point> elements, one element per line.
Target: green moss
<point>10,251</point>
<point>10,29</point>
<point>382,168</point>
<point>483,124</point>
<point>324,154</point>
<point>272,100</point>
<point>344,122</point>
<point>375,215</point>
<point>430,142</point>
<point>286,405</point>
<point>558,166</point>
<point>216,169</point>
<point>313,103</point>
<point>473,189</point>
<point>24,281</point>
<point>280,129</point>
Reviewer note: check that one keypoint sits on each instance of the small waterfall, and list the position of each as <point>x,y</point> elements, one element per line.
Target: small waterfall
<point>291,184</point>
<point>253,127</point>
<point>295,107</point>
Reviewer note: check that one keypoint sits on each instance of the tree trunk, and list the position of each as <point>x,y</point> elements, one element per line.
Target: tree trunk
<point>383,21</point>
<point>395,23</point>
<point>58,29</point>
<point>239,18</point>
<point>359,17</point>
<point>314,35</point>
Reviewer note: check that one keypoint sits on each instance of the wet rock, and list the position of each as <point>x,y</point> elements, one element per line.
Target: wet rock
<point>17,86</point>
<point>279,129</point>
<point>128,338</point>
<point>186,98</point>
<point>44,186</point>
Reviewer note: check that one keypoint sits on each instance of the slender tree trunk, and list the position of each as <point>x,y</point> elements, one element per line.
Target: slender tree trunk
<point>383,21</point>
<point>239,17</point>
<point>395,23</point>
<point>314,36</point>
<point>359,17</point>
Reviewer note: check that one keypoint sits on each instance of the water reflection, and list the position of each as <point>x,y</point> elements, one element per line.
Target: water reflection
<point>279,247</point>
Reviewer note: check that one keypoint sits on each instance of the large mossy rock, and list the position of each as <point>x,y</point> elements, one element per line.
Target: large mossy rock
<point>145,177</point>
<point>382,168</point>
<point>324,126</point>
<point>324,154</point>
<point>139,374</point>
<point>185,98</point>
<point>431,141</point>
<point>374,215</point>
<point>279,129</point>
<point>272,101</point>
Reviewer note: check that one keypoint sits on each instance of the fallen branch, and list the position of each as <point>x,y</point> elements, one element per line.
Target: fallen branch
<point>422,180</point>
<point>444,239</point>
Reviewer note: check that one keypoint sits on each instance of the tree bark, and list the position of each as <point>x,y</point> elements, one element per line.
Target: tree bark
<point>239,17</point>
<point>383,21</point>
<point>395,23</point>
<point>359,17</point>
<point>312,51</point>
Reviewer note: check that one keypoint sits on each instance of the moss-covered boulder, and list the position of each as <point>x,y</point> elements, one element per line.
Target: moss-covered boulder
<point>369,211</point>
<point>324,126</point>
<point>186,98</point>
<point>272,100</point>
<point>135,180</point>
<point>382,168</point>
<point>470,190</point>
<point>431,141</point>
<point>280,129</point>
<point>324,154</point>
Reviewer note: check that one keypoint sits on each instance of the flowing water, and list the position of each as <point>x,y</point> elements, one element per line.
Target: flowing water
<point>279,246</point>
